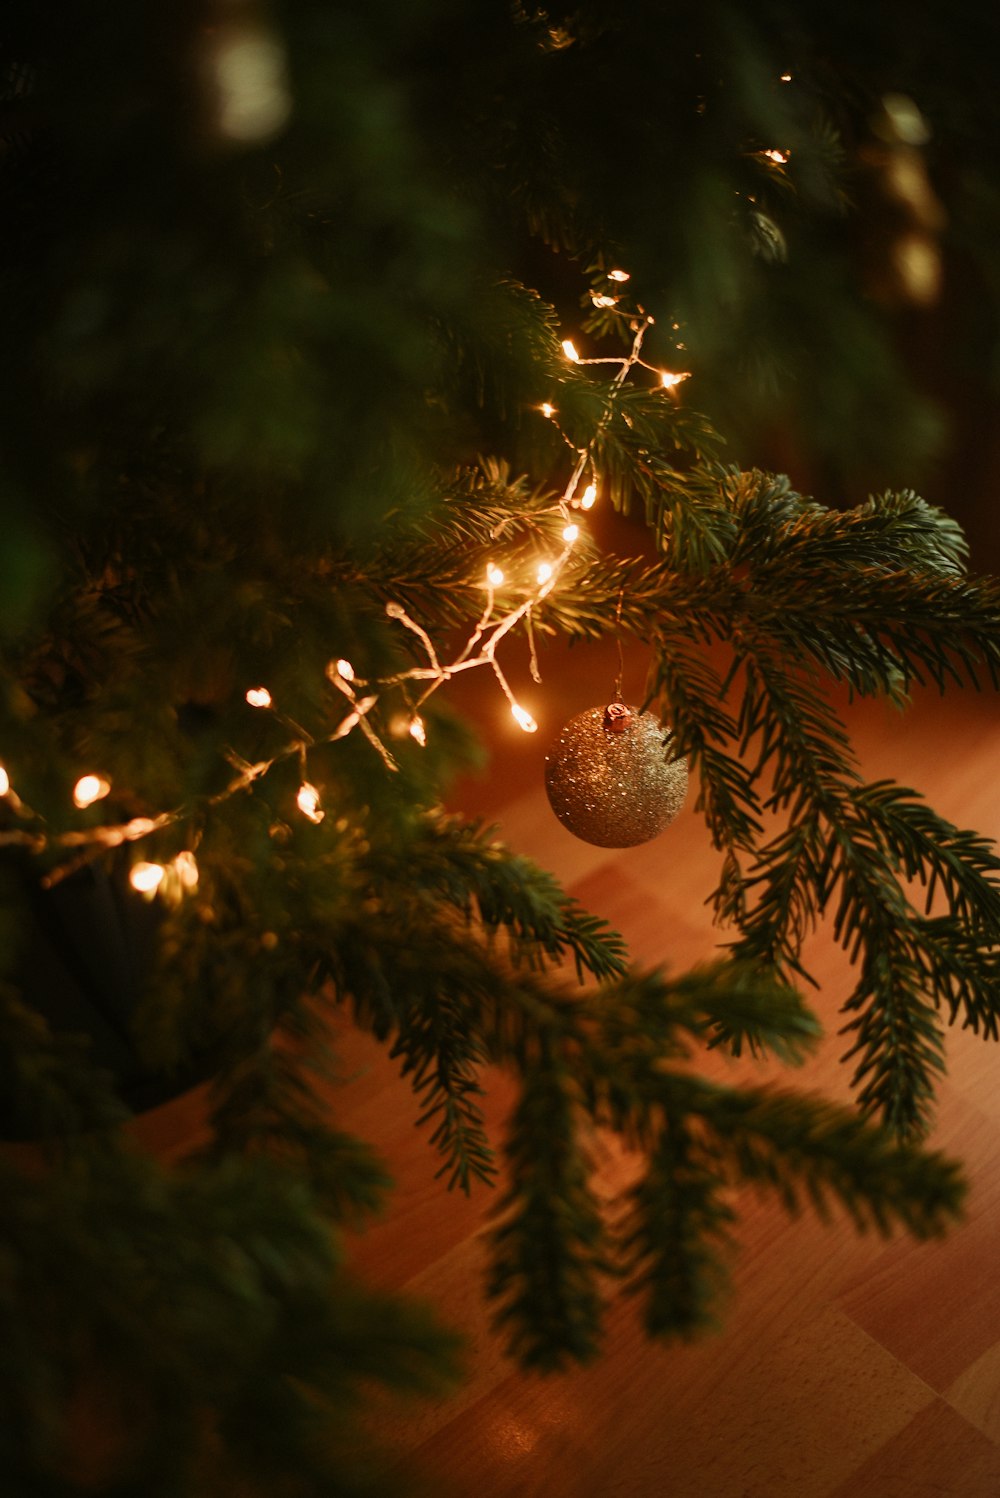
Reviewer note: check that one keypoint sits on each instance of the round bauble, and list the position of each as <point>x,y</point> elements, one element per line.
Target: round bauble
<point>611,778</point>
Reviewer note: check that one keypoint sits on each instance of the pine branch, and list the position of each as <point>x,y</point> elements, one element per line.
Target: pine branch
<point>462,864</point>
<point>510,329</point>
<point>778,906</point>
<point>444,1054</point>
<point>48,1083</point>
<point>212,1311</point>
<point>676,1225</point>
<point>962,865</point>
<point>893,534</point>
<point>874,596</point>
<point>830,847</point>
<point>871,594</point>
<point>658,452</point>
<point>652,1014</point>
<point>698,1139</point>
<point>447,1008</point>
<point>808,1149</point>
<point>434,563</point>
<point>961,968</point>
<point>702,725</point>
<point>267,1104</point>
<point>897,1033</point>
<point>551,1242</point>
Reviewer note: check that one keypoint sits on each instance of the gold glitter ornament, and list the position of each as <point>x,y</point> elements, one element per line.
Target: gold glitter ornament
<point>611,778</point>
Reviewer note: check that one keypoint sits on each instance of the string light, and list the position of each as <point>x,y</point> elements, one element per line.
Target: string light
<point>547,409</point>
<point>179,880</point>
<point>786,77</point>
<point>140,827</point>
<point>246,65</point>
<point>146,877</point>
<point>90,788</point>
<point>186,868</point>
<point>308,802</point>
<point>480,649</point>
<point>601,299</point>
<point>669,380</point>
<point>618,275</point>
<point>778,156</point>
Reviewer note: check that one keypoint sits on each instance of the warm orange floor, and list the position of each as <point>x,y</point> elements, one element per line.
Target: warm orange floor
<point>847,1366</point>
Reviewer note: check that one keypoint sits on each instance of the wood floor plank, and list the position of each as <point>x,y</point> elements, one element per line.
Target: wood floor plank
<point>938,1455</point>
<point>975,1394</point>
<point>936,1306</point>
<point>789,1419</point>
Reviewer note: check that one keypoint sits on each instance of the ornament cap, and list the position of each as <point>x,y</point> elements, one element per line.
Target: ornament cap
<point>617,717</point>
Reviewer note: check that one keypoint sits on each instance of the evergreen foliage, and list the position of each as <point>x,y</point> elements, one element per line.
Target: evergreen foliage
<point>284,288</point>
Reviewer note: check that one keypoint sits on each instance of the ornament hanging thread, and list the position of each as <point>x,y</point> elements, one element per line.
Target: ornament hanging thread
<point>612,779</point>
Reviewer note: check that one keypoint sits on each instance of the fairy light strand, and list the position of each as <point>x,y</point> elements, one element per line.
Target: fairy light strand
<point>492,627</point>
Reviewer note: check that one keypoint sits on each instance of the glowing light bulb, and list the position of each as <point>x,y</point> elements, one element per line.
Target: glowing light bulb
<point>589,497</point>
<point>571,533</point>
<point>346,670</point>
<point>146,877</point>
<point>523,718</point>
<point>248,69</point>
<point>668,379</point>
<point>547,409</point>
<point>494,575</point>
<point>418,731</point>
<point>138,827</point>
<point>307,801</point>
<point>544,571</point>
<point>618,275</point>
<point>258,697</point>
<point>186,866</point>
<point>601,299</point>
<point>569,349</point>
<point>90,788</point>
<point>4,781</point>
<point>786,77</point>
<point>779,156</point>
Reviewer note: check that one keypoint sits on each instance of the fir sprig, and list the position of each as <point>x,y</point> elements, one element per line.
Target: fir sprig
<point>268,1104</point>
<point>551,1241</point>
<point>444,1054</point>
<point>808,1149</point>
<point>676,1228</point>
<point>464,864</point>
<point>706,733</point>
<point>617,1060</point>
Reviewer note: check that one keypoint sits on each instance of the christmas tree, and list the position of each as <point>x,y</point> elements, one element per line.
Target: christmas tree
<point>336,330</point>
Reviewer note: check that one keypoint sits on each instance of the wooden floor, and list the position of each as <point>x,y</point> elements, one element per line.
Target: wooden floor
<point>847,1365</point>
